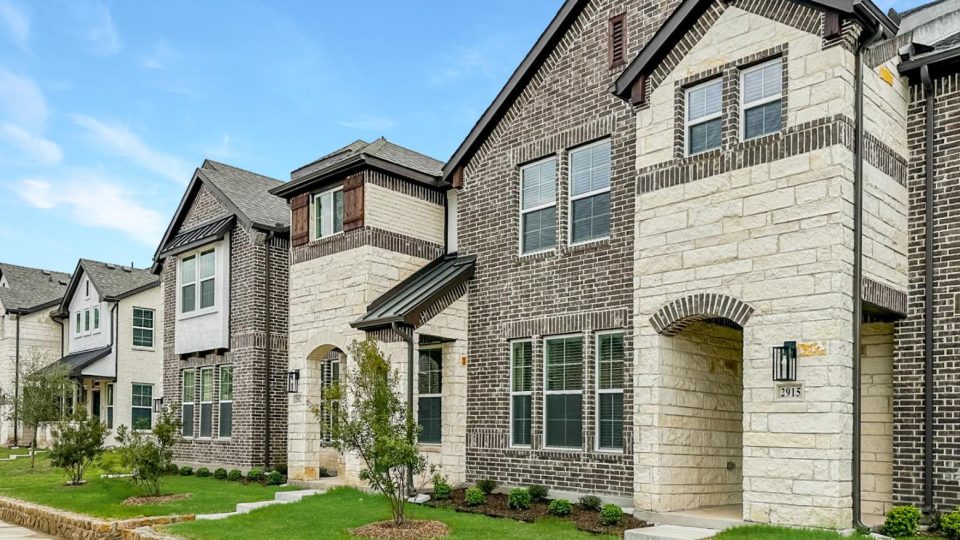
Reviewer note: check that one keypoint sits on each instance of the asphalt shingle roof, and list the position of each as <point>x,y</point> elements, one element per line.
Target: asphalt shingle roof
<point>31,289</point>
<point>249,192</point>
<point>114,281</point>
<point>380,148</point>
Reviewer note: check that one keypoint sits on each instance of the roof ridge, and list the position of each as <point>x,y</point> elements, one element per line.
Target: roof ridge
<point>34,268</point>
<point>412,151</point>
<point>109,264</point>
<point>234,167</point>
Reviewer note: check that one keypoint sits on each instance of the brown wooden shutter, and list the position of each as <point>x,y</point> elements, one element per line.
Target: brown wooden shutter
<point>353,202</point>
<point>617,42</point>
<point>300,219</point>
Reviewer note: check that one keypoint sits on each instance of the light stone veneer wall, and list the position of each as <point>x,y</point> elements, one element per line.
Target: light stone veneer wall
<point>397,212</point>
<point>877,387</point>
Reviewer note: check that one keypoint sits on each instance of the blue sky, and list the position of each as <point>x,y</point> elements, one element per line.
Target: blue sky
<point>107,107</point>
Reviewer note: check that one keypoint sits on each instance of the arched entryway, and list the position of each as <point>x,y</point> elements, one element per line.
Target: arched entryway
<point>328,364</point>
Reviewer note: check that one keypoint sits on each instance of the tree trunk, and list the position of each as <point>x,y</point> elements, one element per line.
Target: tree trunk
<point>33,450</point>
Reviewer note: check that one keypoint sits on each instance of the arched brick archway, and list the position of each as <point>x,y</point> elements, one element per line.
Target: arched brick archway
<point>670,319</point>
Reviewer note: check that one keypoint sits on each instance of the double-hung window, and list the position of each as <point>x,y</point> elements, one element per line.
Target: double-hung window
<point>564,392</point>
<point>77,328</point>
<point>206,402</point>
<point>142,327</point>
<point>110,398</point>
<point>590,192</point>
<point>188,401</point>
<point>141,415</point>
<point>761,90</point>
<point>328,212</point>
<point>610,391</point>
<point>538,206</point>
<point>226,402</point>
<point>704,106</point>
<point>521,387</point>
<point>429,390</point>
<point>198,272</point>
<point>96,318</point>
<point>86,321</point>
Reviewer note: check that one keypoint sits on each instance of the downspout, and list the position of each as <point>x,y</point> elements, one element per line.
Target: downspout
<point>928,295</point>
<point>115,345</point>
<point>408,338</point>
<point>858,271</point>
<point>16,386</point>
<point>269,352</point>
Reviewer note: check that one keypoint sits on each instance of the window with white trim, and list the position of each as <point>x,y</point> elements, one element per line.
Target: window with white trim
<point>761,94</point>
<point>610,391</point>
<point>521,392</point>
<point>86,321</point>
<point>563,392</point>
<point>429,391</point>
<point>590,192</point>
<point>141,415</point>
<point>225,428</point>
<point>77,328</point>
<point>538,206</point>
<point>329,379</point>
<point>188,401</point>
<point>143,327</point>
<point>96,318</point>
<point>110,399</point>
<point>328,212</point>
<point>704,105</point>
<point>198,271</point>
<point>206,402</point>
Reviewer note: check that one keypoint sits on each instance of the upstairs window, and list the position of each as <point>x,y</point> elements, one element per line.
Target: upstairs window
<point>86,320</point>
<point>703,110</point>
<point>590,192</point>
<point>198,269</point>
<point>538,206</point>
<point>761,89</point>
<point>564,392</point>
<point>96,318</point>
<point>430,388</point>
<point>142,327</point>
<point>76,325</point>
<point>328,208</point>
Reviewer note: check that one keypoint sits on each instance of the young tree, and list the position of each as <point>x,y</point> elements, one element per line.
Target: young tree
<point>39,402</point>
<point>371,421</point>
<point>77,443</point>
<point>149,456</point>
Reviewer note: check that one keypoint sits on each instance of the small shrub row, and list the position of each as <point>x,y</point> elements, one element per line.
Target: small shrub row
<point>519,499</point>
<point>522,498</point>
<point>275,477</point>
<point>950,525</point>
<point>441,487</point>
<point>902,521</point>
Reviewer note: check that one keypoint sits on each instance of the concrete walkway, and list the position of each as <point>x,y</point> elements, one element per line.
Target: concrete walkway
<point>10,532</point>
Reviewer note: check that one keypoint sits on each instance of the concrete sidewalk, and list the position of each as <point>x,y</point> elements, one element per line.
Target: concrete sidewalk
<point>10,532</point>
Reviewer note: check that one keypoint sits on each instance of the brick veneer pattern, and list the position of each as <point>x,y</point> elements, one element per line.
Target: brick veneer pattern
<point>884,296</point>
<point>675,316</point>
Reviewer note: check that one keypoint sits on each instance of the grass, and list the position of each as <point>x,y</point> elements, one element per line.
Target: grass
<point>102,497</point>
<point>330,515</point>
<point>768,532</point>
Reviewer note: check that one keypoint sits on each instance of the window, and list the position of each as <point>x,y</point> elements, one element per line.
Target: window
<point>142,414</point>
<point>196,269</point>
<point>96,318</point>
<point>86,320</point>
<point>590,192</point>
<point>538,206</point>
<point>429,390</point>
<point>329,377</point>
<point>76,326</point>
<point>761,90</point>
<point>206,402</point>
<point>610,391</point>
<point>521,385</point>
<point>564,392</point>
<point>142,327</point>
<point>188,401</point>
<point>86,285</point>
<point>328,208</point>
<point>704,106</point>
<point>110,405</point>
<point>226,401</point>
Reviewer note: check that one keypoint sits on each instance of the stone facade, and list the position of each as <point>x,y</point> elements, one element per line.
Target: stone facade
<point>71,526</point>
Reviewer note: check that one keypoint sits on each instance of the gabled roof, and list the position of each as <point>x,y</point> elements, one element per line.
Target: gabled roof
<point>416,295</point>
<point>381,154</point>
<point>112,281</point>
<point>688,11</point>
<point>31,289</point>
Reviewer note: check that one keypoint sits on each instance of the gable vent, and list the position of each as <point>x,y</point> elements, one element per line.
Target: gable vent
<point>618,41</point>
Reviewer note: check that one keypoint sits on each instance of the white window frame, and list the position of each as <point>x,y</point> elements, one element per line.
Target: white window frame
<point>513,393</point>
<point>763,101</point>
<point>96,319</point>
<point>78,323</point>
<point>148,407</point>
<point>153,333</point>
<point>436,347</point>
<point>687,123</point>
<point>571,198</point>
<point>221,401</point>
<point>192,402</point>
<point>598,391</point>
<point>201,402</point>
<point>314,208</point>
<point>523,211</point>
<point>87,322</point>
<point>109,398</point>
<point>198,282</point>
<point>546,392</point>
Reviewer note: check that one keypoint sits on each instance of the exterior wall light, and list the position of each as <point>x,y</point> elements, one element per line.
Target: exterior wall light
<point>785,362</point>
<point>158,405</point>
<point>293,381</point>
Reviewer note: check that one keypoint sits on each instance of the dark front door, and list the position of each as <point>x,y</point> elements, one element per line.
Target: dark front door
<point>95,402</point>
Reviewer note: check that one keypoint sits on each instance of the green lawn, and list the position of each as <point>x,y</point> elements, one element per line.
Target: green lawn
<point>331,514</point>
<point>103,497</point>
<point>767,532</point>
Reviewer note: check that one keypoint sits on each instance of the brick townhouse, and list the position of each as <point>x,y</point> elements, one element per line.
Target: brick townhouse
<point>223,268</point>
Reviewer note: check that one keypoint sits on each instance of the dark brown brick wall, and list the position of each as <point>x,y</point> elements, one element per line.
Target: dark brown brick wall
<point>908,374</point>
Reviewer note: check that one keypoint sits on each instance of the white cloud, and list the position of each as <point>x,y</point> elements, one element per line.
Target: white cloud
<point>99,31</point>
<point>16,22</point>
<point>34,146</point>
<point>92,201</point>
<point>21,101</point>
<point>160,57</point>
<point>369,123</point>
<point>118,139</point>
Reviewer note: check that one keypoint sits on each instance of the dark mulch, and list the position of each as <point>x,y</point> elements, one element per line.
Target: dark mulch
<point>155,499</point>
<point>496,505</point>
<point>411,530</point>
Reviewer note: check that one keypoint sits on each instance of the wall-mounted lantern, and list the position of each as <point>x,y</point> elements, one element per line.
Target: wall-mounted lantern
<point>158,405</point>
<point>293,381</point>
<point>785,362</point>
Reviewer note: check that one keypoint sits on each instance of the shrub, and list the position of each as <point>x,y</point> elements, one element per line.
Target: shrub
<point>172,469</point>
<point>590,502</point>
<point>950,525</point>
<point>519,499</point>
<point>538,493</point>
<point>186,470</point>
<point>274,478</point>
<point>560,508</point>
<point>487,485</point>
<point>902,521</point>
<point>281,468</point>
<point>255,475</point>
<point>611,514</point>
<point>203,472</point>
<point>220,474</point>
<point>150,455</point>
<point>235,475</point>
<point>78,442</point>
<point>441,487</point>
<point>474,497</point>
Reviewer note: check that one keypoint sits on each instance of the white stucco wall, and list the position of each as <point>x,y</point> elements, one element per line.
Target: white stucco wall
<point>206,329</point>
<point>80,339</point>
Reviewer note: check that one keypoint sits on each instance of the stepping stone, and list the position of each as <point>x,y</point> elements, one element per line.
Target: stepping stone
<point>295,496</point>
<point>225,515</point>
<point>243,508</point>
<point>669,532</point>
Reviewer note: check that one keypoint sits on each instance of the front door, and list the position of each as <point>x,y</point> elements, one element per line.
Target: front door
<point>95,402</point>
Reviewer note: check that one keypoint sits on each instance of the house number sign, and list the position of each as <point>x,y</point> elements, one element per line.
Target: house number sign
<point>789,392</point>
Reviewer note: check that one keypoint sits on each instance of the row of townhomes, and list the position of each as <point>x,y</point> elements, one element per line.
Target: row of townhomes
<point>696,253</point>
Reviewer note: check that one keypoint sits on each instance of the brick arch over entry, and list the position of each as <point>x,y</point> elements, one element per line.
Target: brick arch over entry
<point>675,316</point>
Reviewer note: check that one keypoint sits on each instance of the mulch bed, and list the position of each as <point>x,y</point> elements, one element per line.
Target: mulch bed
<point>496,505</point>
<point>411,530</point>
<point>155,499</point>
